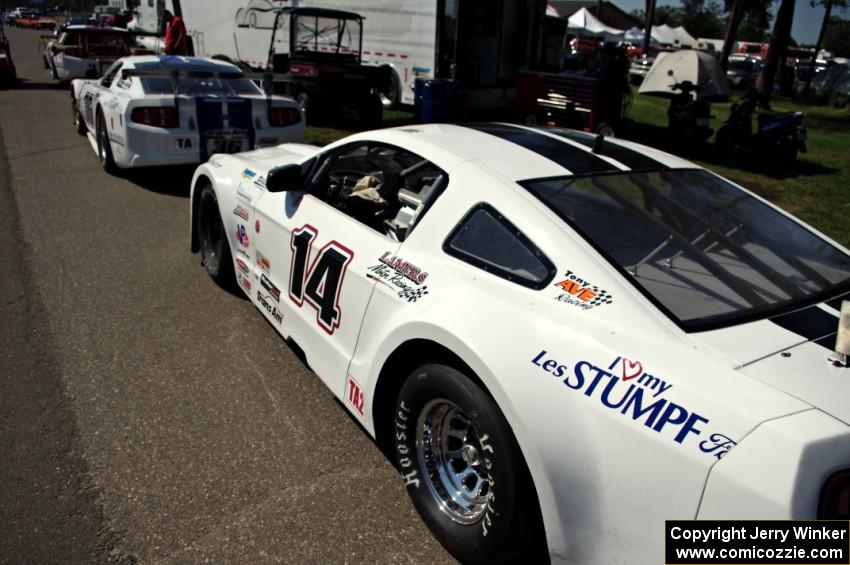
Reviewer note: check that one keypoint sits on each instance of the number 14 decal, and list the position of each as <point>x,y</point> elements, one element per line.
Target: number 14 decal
<point>321,283</point>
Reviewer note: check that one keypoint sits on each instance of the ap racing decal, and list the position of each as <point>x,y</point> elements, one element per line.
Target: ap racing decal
<point>582,293</point>
<point>320,283</point>
<point>401,276</point>
<point>624,386</point>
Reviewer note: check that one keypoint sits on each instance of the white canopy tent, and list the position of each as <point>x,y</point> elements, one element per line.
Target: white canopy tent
<point>684,38</point>
<point>664,34</point>
<point>585,23</point>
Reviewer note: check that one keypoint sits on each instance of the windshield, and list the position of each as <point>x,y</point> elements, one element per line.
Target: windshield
<point>195,85</point>
<point>696,245</point>
<point>326,34</point>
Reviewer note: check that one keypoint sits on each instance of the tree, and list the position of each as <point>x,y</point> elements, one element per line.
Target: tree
<point>828,4</point>
<point>775,58</point>
<point>747,21</point>
<point>837,37</point>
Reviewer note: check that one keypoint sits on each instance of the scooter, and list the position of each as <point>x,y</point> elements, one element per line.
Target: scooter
<point>688,115</point>
<point>781,135</point>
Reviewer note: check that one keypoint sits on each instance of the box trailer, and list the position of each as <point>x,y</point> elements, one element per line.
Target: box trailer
<point>479,45</point>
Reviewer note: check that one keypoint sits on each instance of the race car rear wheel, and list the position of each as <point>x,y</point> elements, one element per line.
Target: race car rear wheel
<point>463,468</point>
<point>79,123</point>
<point>104,148</point>
<point>215,251</point>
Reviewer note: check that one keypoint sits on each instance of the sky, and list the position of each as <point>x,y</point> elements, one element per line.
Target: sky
<point>807,20</point>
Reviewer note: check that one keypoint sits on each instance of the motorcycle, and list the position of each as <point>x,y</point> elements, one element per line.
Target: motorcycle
<point>781,135</point>
<point>688,115</point>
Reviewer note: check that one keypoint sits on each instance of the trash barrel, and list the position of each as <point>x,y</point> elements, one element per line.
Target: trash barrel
<point>418,87</point>
<point>439,101</point>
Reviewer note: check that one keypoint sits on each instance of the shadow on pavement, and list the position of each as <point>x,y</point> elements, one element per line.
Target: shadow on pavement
<point>24,84</point>
<point>172,181</point>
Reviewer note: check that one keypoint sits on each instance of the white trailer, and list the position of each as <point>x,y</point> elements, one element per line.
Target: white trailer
<point>480,44</point>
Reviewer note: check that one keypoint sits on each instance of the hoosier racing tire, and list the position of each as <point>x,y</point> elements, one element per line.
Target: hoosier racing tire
<point>463,469</point>
<point>215,250</point>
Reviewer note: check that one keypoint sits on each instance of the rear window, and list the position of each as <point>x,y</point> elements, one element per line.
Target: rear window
<point>706,252</point>
<point>198,83</point>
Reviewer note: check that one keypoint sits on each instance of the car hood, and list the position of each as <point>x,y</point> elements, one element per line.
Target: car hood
<point>790,353</point>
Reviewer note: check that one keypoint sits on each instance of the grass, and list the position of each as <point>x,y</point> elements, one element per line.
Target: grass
<point>816,188</point>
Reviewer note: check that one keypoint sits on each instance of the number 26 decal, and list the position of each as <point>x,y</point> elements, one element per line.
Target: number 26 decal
<point>321,282</point>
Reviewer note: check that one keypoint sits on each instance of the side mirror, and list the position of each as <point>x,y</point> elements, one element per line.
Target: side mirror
<point>285,178</point>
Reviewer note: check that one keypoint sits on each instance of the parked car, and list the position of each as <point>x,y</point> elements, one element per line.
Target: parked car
<point>547,328</point>
<point>161,110</point>
<point>639,67</point>
<point>832,86</point>
<point>742,70</point>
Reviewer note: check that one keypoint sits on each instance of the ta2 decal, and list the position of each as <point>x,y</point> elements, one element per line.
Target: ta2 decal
<point>642,400</point>
<point>321,283</point>
<point>580,292</point>
<point>355,396</point>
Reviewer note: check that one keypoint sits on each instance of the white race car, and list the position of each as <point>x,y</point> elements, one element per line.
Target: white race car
<point>85,51</point>
<point>166,110</point>
<point>551,332</point>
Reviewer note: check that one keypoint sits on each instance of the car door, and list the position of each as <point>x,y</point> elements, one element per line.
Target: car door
<point>315,252</point>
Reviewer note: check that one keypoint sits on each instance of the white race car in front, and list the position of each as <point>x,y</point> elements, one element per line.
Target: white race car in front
<point>550,331</point>
<point>167,110</point>
<point>85,51</point>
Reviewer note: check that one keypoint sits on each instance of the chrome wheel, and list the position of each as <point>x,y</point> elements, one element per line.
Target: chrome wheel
<point>452,461</point>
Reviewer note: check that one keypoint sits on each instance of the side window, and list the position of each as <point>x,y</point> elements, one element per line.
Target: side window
<point>384,187</point>
<point>486,239</point>
<point>110,75</point>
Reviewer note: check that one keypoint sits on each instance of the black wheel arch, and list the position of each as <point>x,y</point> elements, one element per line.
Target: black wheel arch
<point>401,363</point>
<point>195,245</point>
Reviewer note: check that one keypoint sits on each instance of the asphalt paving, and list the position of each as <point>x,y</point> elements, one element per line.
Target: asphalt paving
<point>145,414</point>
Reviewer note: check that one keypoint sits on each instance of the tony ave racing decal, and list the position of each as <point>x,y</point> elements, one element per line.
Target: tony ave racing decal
<point>321,283</point>
<point>626,387</point>
<point>355,395</point>
<point>398,274</point>
<point>580,292</point>
<point>242,212</point>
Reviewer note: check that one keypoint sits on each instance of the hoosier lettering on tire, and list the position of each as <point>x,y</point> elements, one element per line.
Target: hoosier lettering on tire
<point>463,469</point>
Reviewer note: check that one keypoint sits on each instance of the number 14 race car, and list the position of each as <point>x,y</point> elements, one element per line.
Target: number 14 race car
<point>562,339</point>
<point>167,110</point>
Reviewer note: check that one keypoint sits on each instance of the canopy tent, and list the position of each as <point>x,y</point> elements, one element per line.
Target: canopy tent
<point>684,38</point>
<point>551,11</point>
<point>585,23</point>
<point>633,35</point>
<point>697,67</point>
<point>664,34</point>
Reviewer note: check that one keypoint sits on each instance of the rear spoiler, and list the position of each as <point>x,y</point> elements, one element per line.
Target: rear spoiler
<point>266,79</point>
